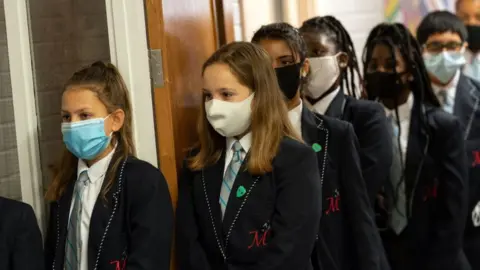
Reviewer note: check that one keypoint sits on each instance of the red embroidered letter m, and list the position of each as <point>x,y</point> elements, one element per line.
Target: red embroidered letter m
<point>259,241</point>
<point>476,158</point>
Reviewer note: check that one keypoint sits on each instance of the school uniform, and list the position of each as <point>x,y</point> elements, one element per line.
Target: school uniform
<point>347,237</point>
<point>433,194</point>
<point>269,222</point>
<point>462,98</point>
<point>131,228</point>
<point>369,124</point>
<point>20,238</point>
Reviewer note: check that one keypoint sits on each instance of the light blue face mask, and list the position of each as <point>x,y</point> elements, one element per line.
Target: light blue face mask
<point>444,65</point>
<point>86,139</point>
<point>472,70</point>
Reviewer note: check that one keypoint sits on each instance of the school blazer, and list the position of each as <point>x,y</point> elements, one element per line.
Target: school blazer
<point>467,110</point>
<point>436,191</point>
<point>374,140</point>
<point>20,238</point>
<point>270,226</point>
<point>132,229</point>
<point>348,237</point>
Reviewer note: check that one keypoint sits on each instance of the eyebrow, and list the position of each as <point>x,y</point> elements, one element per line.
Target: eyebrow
<point>219,89</point>
<point>78,111</point>
<point>288,56</point>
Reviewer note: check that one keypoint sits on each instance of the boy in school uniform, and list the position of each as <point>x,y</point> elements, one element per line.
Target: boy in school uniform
<point>443,37</point>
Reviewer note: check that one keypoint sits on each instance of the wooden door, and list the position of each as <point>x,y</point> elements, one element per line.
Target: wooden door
<point>187,32</point>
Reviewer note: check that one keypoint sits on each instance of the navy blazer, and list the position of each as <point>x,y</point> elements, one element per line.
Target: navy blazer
<point>467,110</point>
<point>132,229</point>
<point>271,226</point>
<point>436,188</point>
<point>20,237</point>
<point>374,140</point>
<point>348,237</point>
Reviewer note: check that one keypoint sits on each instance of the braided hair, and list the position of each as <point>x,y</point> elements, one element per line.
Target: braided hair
<point>338,35</point>
<point>283,31</point>
<point>396,35</point>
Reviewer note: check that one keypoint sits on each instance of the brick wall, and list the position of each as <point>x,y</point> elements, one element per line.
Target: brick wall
<point>9,169</point>
<point>66,35</point>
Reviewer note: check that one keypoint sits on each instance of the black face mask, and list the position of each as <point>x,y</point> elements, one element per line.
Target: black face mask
<point>384,85</point>
<point>289,79</point>
<point>473,37</point>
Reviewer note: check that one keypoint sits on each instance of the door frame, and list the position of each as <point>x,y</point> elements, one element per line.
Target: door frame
<point>128,51</point>
<point>24,105</point>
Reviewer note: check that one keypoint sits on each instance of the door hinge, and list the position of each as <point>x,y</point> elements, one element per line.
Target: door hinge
<point>156,67</point>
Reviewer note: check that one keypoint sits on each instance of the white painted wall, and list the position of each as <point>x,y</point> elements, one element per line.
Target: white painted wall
<point>257,13</point>
<point>358,17</point>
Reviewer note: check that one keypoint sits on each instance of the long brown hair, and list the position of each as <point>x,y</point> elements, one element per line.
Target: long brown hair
<point>252,66</point>
<point>105,81</point>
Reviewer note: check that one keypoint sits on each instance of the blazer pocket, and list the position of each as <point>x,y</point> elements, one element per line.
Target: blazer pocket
<point>115,249</point>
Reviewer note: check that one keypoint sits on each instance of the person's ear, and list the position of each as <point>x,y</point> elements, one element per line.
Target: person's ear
<point>118,118</point>
<point>305,68</point>
<point>343,60</point>
<point>465,45</point>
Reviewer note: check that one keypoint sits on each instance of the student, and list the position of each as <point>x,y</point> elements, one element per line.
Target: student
<point>443,38</point>
<point>20,238</point>
<point>469,12</point>
<point>348,237</point>
<point>249,195</point>
<point>109,209</point>
<point>427,189</point>
<point>334,68</point>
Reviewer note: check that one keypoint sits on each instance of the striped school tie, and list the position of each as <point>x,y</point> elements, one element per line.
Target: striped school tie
<point>230,175</point>
<point>74,243</point>
<point>447,101</point>
<point>398,218</point>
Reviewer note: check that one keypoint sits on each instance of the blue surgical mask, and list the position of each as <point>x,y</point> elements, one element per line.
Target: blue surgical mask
<point>444,65</point>
<point>472,69</point>
<point>85,139</point>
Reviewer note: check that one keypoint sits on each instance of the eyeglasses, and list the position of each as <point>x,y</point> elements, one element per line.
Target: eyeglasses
<point>440,46</point>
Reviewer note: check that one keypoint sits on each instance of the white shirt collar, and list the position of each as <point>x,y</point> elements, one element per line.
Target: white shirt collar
<point>322,105</point>
<point>404,110</point>
<point>295,116</point>
<point>245,142</point>
<point>97,170</point>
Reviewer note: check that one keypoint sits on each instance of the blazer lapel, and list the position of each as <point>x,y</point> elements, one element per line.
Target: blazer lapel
<point>315,133</point>
<point>101,214</point>
<point>212,178</point>
<point>242,185</point>
<point>417,141</point>
<point>335,109</point>
<point>467,101</point>
<point>64,205</point>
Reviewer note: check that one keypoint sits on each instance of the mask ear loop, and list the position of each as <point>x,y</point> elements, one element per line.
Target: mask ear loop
<point>104,119</point>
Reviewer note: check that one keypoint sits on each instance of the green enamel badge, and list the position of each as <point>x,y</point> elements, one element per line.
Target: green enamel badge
<point>316,147</point>
<point>241,191</point>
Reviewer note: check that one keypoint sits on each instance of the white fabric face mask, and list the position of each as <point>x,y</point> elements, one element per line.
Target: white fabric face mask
<point>229,119</point>
<point>324,72</point>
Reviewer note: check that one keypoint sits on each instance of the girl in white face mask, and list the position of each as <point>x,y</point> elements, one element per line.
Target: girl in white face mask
<point>333,71</point>
<point>249,193</point>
